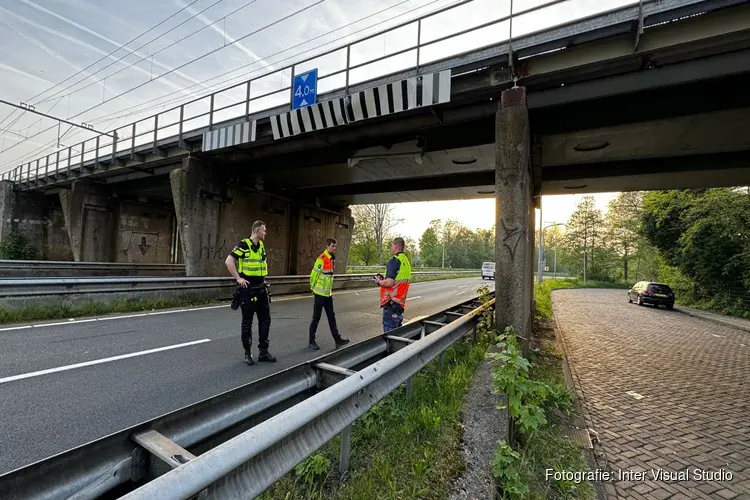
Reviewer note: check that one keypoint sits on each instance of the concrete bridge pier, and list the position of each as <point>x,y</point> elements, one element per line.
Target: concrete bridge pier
<point>214,211</point>
<point>514,220</point>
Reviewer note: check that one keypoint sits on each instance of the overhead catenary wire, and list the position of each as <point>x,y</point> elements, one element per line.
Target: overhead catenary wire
<point>108,55</point>
<point>150,55</point>
<point>131,111</point>
<point>170,100</point>
<point>288,16</point>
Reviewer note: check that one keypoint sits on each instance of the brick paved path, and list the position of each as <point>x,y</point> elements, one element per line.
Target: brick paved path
<point>694,377</point>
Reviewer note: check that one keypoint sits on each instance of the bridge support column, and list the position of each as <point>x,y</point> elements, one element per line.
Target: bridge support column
<point>89,216</point>
<point>514,226</point>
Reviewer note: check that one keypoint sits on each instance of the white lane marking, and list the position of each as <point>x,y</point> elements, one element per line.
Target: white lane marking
<point>414,298</point>
<point>72,321</point>
<point>98,361</point>
<point>719,336</point>
<point>463,286</point>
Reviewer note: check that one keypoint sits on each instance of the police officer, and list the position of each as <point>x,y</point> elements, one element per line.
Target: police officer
<point>248,265</point>
<point>394,287</point>
<point>321,284</point>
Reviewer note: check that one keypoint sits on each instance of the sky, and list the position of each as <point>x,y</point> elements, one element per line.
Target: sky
<point>109,63</point>
<point>480,214</point>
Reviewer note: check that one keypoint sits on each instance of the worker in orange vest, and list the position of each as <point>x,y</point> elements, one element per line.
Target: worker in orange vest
<point>321,284</point>
<point>394,287</point>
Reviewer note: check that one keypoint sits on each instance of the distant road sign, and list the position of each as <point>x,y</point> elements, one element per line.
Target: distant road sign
<point>305,89</point>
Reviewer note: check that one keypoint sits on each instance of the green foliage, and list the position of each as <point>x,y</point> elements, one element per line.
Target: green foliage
<point>703,238</point>
<point>505,466</point>
<point>314,470</point>
<point>403,447</point>
<point>16,246</point>
<point>537,404</point>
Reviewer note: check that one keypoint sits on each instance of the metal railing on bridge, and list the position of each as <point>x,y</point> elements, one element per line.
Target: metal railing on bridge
<point>250,436</point>
<point>424,55</point>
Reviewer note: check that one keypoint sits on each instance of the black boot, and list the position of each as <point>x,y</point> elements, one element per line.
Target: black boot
<point>314,345</point>
<point>266,356</point>
<point>249,359</point>
<point>341,341</point>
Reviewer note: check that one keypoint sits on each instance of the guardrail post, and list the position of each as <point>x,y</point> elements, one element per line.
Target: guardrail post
<point>211,114</point>
<point>410,386</point>
<point>474,333</point>
<point>442,361</point>
<point>346,449</point>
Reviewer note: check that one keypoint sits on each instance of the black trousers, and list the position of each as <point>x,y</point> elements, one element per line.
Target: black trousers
<point>318,306</point>
<point>255,301</point>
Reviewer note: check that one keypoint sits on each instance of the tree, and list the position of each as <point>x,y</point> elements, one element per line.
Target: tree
<point>583,231</point>
<point>622,224</point>
<point>702,234</point>
<point>375,222</point>
<point>430,245</point>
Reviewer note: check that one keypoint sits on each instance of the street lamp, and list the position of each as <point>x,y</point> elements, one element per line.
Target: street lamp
<point>541,250</point>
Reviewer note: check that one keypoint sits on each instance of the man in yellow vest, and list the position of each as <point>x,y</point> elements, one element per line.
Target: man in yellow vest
<point>321,284</point>
<point>394,287</point>
<point>248,265</point>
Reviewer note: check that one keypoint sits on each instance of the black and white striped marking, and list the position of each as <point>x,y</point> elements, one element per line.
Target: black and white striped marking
<point>239,133</point>
<point>318,116</point>
<point>391,98</point>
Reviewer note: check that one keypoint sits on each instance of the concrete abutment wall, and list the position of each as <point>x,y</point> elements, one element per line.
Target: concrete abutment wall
<point>214,214</point>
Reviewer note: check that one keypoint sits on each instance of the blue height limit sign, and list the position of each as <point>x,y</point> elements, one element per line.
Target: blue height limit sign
<point>305,89</point>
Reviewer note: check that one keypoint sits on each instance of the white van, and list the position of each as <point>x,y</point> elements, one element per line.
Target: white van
<point>488,270</point>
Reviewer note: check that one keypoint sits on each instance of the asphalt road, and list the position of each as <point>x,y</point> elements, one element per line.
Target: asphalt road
<point>49,406</point>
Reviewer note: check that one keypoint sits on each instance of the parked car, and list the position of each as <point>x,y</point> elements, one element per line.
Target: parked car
<point>488,270</point>
<point>656,294</point>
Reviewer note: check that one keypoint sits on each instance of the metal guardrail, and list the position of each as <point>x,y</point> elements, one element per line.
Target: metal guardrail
<point>175,125</point>
<point>247,438</point>
<point>24,292</point>
<point>46,268</point>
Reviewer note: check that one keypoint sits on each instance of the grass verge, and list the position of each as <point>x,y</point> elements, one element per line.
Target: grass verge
<point>541,408</point>
<point>64,311</point>
<point>543,292</point>
<point>404,447</point>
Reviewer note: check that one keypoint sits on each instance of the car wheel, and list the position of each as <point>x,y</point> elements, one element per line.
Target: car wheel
<point>630,301</point>
<point>670,306</point>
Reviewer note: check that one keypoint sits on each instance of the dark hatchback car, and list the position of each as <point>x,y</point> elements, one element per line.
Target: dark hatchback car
<point>656,294</point>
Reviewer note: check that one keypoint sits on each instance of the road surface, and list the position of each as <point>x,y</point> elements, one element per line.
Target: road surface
<point>664,391</point>
<point>60,389</point>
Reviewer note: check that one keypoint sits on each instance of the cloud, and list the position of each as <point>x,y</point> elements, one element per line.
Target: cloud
<point>108,40</point>
<point>23,73</point>
<point>212,25</point>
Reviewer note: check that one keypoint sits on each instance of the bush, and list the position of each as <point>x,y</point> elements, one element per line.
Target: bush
<point>15,246</point>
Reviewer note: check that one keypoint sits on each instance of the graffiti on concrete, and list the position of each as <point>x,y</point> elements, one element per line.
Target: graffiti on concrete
<point>512,237</point>
<point>212,249</point>
<point>311,244</point>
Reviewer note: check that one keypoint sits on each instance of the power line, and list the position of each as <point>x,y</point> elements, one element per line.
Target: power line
<point>139,48</point>
<point>299,11</point>
<point>105,117</point>
<point>105,57</point>
<point>177,99</point>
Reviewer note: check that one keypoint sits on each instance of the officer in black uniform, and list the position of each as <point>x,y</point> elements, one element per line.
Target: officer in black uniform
<point>248,265</point>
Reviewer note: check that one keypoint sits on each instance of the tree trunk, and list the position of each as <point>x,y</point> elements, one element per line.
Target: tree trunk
<point>625,264</point>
